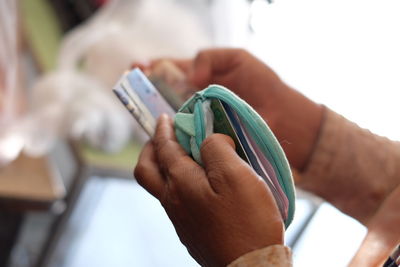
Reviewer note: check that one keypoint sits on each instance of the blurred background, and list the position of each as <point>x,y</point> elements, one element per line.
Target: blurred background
<point>67,147</point>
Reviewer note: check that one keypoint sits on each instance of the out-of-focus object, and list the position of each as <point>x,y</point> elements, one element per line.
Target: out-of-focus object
<point>92,57</point>
<point>75,99</point>
<point>72,13</point>
<point>8,58</point>
<point>31,180</point>
<point>171,82</point>
<point>9,145</point>
<point>26,179</point>
<point>132,32</point>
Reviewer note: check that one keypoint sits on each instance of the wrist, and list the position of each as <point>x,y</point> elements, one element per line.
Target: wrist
<point>296,122</point>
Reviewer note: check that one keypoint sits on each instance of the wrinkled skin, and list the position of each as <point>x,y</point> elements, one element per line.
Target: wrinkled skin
<point>295,120</point>
<point>220,211</point>
<point>383,233</point>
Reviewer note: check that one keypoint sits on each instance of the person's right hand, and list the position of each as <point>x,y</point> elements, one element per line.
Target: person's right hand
<point>293,118</point>
<point>221,210</point>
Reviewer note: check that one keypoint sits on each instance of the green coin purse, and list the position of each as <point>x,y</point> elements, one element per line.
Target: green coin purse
<point>217,109</point>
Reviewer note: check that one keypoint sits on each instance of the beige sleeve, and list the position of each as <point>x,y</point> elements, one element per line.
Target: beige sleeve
<point>272,256</point>
<point>351,167</point>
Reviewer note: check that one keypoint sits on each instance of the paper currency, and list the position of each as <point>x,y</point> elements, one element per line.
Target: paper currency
<point>148,94</point>
<point>142,99</point>
<point>146,104</point>
<point>172,83</point>
<point>260,166</point>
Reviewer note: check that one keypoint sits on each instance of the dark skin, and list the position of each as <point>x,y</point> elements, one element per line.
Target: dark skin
<point>220,211</point>
<point>256,83</point>
<point>295,120</point>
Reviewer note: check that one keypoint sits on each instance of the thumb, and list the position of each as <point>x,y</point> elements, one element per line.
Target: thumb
<point>217,147</point>
<point>200,73</point>
<point>212,62</point>
<point>221,162</point>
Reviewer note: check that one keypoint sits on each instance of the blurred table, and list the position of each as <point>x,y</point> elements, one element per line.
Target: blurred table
<point>29,183</point>
<point>46,187</point>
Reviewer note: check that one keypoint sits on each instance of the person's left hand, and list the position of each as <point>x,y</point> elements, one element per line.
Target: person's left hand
<point>383,233</point>
<point>220,211</point>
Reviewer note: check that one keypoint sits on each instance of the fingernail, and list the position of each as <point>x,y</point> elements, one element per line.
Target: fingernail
<point>163,117</point>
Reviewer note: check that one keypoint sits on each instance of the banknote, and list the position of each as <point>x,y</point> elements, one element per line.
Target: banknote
<point>146,104</point>
<point>142,99</point>
<point>148,94</point>
<point>172,82</point>
<point>167,91</point>
<point>256,162</point>
<point>269,169</point>
<point>147,122</point>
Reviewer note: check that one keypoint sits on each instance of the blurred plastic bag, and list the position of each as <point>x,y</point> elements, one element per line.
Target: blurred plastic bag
<point>76,100</point>
<point>8,58</point>
<point>8,71</point>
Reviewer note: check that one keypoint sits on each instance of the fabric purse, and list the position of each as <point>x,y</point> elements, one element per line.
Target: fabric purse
<point>194,122</point>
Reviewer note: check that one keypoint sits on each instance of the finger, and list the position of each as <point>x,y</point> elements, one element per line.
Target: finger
<point>143,66</point>
<point>211,62</point>
<point>147,173</point>
<point>172,159</point>
<point>183,64</point>
<point>221,162</point>
<point>140,65</point>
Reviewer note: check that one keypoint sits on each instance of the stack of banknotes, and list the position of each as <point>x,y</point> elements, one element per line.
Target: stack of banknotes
<point>142,99</point>
<point>146,103</point>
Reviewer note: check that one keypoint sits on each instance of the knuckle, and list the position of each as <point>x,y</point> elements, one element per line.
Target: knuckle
<point>158,142</point>
<point>176,169</point>
<point>180,169</point>
<point>233,173</point>
<point>216,177</point>
<point>162,146</point>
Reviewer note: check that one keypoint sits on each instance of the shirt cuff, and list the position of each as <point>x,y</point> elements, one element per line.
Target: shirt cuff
<point>351,167</point>
<point>275,255</point>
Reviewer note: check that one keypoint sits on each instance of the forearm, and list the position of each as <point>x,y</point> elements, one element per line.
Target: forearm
<point>352,168</point>
<point>296,122</point>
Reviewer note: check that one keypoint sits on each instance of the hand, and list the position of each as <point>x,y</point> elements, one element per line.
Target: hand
<point>293,118</point>
<point>383,233</point>
<point>221,211</point>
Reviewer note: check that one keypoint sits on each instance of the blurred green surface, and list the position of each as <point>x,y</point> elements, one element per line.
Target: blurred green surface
<point>125,159</point>
<point>43,35</point>
<point>42,30</point>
